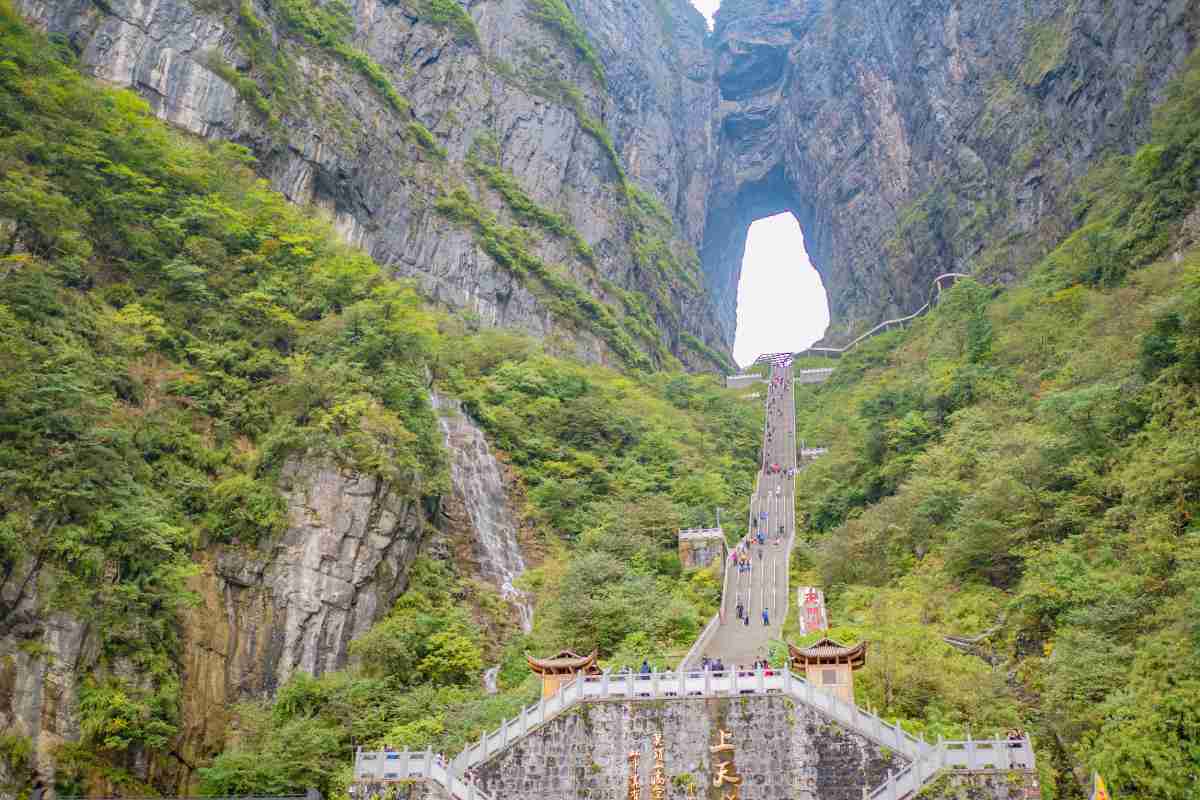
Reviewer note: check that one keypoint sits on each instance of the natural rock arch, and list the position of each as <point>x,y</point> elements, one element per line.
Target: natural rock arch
<point>911,140</point>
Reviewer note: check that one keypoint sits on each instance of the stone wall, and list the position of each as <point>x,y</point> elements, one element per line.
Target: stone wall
<point>983,785</point>
<point>782,750</point>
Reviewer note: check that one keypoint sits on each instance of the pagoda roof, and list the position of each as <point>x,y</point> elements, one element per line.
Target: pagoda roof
<point>827,651</point>
<point>565,662</point>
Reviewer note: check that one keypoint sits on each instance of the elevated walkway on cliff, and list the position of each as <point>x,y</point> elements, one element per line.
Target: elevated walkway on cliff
<point>821,374</point>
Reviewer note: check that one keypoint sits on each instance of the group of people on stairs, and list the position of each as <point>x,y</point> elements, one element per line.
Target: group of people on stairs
<point>756,579</point>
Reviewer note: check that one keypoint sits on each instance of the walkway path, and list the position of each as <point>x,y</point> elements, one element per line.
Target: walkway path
<point>376,771</point>
<point>764,586</point>
<point>772,511</point>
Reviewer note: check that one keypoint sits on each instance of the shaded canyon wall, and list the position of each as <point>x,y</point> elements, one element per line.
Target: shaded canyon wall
<point>913,139</point>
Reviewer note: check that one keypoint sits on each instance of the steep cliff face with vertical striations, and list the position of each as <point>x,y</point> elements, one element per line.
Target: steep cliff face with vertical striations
<point>912,139</point>
<point>376,114</point>
<point>907,140</point>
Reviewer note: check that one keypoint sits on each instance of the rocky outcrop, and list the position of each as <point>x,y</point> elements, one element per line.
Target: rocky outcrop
<point>326,135</point>
<point>265,614</point>
<point>262,615</point>
<point>42,660</point>
<point>913,139</point>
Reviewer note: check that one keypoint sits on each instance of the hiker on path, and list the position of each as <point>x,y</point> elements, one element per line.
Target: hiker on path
<point>766,616</point>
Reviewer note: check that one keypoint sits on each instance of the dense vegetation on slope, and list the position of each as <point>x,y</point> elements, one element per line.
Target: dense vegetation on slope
<point>272,84</point>
<point>1026,464</point>
<point>172,332</point>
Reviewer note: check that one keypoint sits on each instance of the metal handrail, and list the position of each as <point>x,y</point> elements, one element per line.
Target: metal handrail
<point>834,352</point>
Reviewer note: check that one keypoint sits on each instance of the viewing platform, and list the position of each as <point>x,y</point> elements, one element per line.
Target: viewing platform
<point>914,762</point>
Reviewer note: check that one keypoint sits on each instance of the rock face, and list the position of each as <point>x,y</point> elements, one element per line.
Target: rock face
<point>263,614</point>
<point>42,659</point>
<point>913,139</point>
<point>908,141</point>
<point>266,614</point>
<point>511,84</point>
<point>780,749</point>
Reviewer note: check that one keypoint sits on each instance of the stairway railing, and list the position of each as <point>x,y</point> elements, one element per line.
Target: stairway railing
<point>379,768</point>
<point>935,292</point>
<point>925,760</point>
<point>969,755</point>
<point>636,687</point>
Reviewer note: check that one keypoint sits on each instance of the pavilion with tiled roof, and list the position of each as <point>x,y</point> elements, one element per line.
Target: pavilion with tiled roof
<point>562,668</point>
<point>830,665</point>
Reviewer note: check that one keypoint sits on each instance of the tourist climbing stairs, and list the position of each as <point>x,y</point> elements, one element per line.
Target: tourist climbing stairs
<point>754,605</point>
<point>754,596</point>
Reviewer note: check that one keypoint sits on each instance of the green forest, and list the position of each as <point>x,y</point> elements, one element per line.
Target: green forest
<point>1025,464</point>
<point>172,332</point>
<point>1021,466</point>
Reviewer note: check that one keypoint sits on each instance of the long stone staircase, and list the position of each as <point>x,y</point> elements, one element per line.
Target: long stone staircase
<point>735,643</point>
<point>764,586</point>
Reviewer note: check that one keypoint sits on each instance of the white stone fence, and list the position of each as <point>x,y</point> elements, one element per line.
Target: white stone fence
<point>658,686</point>
<point>804,376</point>
<point>741,381</point>
<point>925,759</point>
<point>969,755</point>
<point>375,770</point>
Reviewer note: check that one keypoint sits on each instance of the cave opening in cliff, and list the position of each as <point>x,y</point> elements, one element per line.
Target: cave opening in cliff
<point>781,301</point>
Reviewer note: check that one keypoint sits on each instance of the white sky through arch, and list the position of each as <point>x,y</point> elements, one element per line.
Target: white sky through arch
<point>707,8</point>
<point>781,301</point>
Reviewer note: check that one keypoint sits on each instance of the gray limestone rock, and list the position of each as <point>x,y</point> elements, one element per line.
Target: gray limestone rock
<point>338,144</point>
<point>295,605</point>
<point>914,139</point>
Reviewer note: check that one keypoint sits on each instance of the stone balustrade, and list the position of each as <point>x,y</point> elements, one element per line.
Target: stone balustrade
<point>806,376</point>
<point>744,380</point>
<point>925,760</point>
<point>374,770</point>
<point>661,686</point>
<point>969,755</point>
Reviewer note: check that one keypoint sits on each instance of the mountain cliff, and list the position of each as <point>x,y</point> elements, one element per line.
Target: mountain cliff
<point>220,460</point>
<point>914,139</point>
<point>599,147</point>
<point>514,169</point>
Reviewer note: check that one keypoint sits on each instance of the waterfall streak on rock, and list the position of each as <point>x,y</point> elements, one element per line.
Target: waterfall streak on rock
<point>478,484</point>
